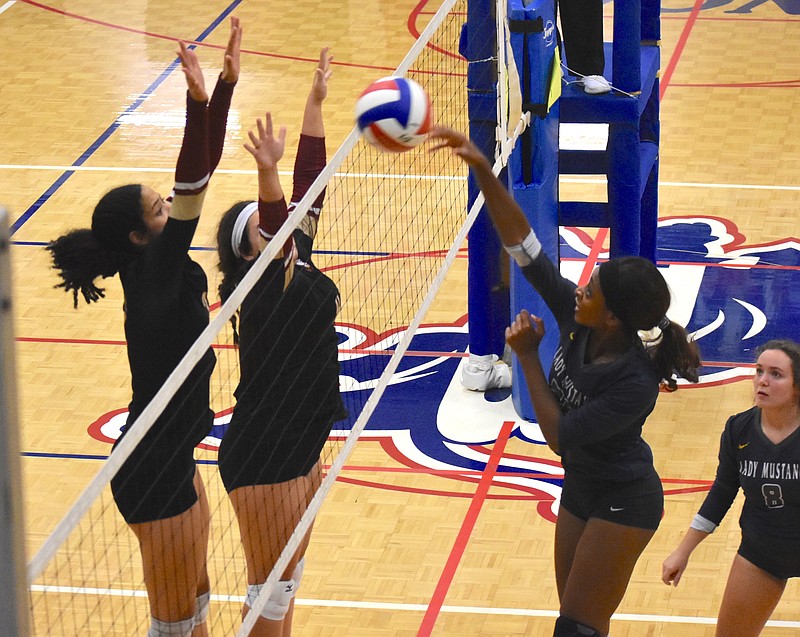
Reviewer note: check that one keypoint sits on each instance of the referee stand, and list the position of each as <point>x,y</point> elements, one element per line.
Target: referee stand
<point>631,110</point>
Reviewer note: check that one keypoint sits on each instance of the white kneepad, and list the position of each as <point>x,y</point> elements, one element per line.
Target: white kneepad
<point>297,573</point>
<point>182,628</point>
<point>279,599</point>
<point>201,608</point>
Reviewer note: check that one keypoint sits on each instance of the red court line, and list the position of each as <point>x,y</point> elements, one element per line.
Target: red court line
<point>676,54</point>
<point>592,257</point>
<point>439,594</point>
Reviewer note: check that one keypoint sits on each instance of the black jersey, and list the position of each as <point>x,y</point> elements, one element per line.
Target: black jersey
<point>166,309</point>
<point>288,394</point>
<point>767,473</point>
<point>603,405</point>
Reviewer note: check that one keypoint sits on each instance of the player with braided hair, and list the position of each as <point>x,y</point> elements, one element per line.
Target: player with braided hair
<point>603,385</point>
<point>145,239</point>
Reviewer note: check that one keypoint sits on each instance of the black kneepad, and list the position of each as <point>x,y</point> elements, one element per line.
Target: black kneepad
<point>566,627</point>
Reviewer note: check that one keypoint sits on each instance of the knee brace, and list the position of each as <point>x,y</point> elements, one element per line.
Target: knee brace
<point>182,628</point>
<point>201,608</point>
<point>566,627</point>
<point>279,599</point>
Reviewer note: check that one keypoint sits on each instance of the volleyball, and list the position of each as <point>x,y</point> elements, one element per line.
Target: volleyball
<point>394,114</point>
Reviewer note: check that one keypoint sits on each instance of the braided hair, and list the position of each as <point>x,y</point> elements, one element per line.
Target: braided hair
<point>82,255</point>
<point>639,297</point>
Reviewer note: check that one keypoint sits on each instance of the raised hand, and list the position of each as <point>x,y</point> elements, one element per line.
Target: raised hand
<point>194,74</point>
<point>265,147</point>
<point>525,334</point>
<point>230,65</point>
<point>323,72</point>
<point>460,144</point>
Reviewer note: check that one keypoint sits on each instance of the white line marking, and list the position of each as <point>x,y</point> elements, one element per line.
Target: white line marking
<point>568,180</point>
<point>464,610</point>
<point>7,5</point>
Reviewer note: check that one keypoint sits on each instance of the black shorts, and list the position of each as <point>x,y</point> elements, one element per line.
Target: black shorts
<point>156,482</point>
<point>253,453</point>
<point>772,556</point>
<point>638,503</point>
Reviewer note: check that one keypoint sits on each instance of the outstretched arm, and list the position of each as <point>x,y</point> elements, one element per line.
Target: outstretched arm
<point>192,171</point>
<point>506,215</point>
<point>312,116</point>
<point>220,102</point>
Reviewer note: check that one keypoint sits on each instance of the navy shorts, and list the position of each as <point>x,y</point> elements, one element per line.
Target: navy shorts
<point>637,503</point>
<point>772,556</point>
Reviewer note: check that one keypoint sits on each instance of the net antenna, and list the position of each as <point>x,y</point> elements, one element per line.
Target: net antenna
<point>509,94</point>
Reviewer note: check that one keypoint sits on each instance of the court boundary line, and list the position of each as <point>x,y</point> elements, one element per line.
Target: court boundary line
<point>404,607</point>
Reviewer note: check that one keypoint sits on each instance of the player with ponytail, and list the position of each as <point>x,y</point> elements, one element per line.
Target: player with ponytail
<point>602,386</point>
<point>142,237</point>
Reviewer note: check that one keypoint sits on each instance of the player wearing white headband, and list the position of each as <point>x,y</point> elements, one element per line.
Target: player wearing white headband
<point>288,394</point>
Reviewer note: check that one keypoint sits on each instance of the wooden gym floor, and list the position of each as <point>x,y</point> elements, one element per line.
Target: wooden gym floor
<point>399,547</point>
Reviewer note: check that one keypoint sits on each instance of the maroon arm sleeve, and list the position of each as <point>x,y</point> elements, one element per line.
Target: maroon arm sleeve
<point>309,163</point>
<point>218,109</point>
<point>192,172</point>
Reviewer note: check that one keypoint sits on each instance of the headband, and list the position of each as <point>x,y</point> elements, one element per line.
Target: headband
<point>241,225</point>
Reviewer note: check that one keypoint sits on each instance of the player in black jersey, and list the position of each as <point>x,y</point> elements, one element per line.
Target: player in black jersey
<point>288,394</point>
<point>145,239</point>
<point>760,453</point>
<point>603,385</point>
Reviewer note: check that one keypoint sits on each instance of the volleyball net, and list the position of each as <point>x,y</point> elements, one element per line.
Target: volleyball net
<point>391,228</point>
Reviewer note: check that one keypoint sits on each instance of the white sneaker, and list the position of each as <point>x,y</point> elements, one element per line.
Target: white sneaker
<point>595,84</point>
<point>485,372</point>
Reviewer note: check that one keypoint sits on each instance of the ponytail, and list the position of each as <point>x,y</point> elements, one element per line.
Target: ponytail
<point>637,294</point>
<point>80,259</point>
<point>675,353</point>
<point>80,256</point>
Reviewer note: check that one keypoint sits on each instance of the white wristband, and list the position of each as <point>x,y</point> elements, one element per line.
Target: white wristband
<point>527,251</point>
<point>701,524</point>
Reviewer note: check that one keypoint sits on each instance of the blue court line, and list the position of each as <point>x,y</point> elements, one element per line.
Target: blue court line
<point>343,253</point>
<point>94,146</point>
<point>81,456</point>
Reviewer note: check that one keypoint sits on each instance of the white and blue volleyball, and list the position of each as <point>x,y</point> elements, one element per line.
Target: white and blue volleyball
<point>394,114</point>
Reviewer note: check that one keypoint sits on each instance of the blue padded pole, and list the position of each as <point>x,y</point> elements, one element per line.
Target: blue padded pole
<point>651,21</point>
<point>624,204</point>
<point>626,60</point>
<point>649,134</point>
<point>533,167</point>
<point>487,300</point>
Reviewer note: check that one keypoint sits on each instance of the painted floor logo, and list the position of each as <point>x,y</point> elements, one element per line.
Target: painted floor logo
<point>732,296</point>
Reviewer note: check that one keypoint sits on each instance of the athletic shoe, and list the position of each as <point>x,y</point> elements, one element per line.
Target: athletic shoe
<point>595,84</point>
<point>485,372</point>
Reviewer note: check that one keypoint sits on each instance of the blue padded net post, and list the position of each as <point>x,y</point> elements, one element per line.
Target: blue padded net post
<point>533,165</point>
<point>487,301</point>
